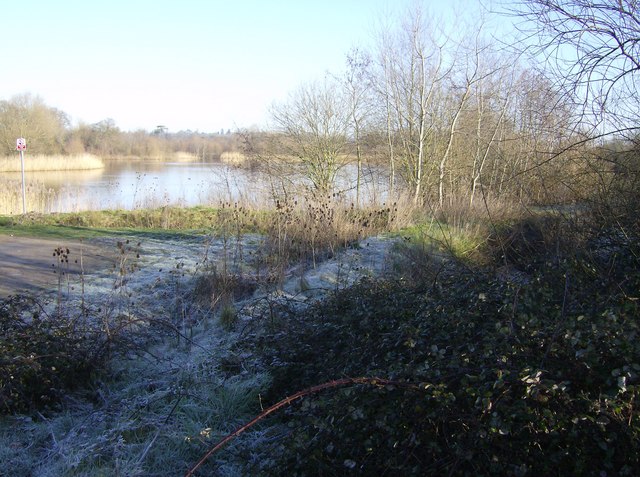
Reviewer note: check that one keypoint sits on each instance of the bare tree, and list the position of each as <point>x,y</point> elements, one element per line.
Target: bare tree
<point>461,94</point>
<point>492,96</point>
<point>426,79</point>
<point>357,84</point>
<point>313,125</point>
<point>413,65</point>
<point>594,48</point>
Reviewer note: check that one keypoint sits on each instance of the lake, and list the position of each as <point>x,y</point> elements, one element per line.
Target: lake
<point>141,184</point>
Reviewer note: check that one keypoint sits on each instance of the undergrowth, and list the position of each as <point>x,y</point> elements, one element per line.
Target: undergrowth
<point>528,365</point>
<point>107,386</point>
<point>518,376</point>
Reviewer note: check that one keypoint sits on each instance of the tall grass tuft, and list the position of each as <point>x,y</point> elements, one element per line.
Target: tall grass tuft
<point>59,162</point>
<point>456,229</point>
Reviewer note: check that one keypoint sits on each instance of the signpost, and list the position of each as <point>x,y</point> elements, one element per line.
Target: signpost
<point>21,145</point>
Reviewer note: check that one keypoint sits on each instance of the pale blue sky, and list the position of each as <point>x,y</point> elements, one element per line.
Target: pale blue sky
<point>191,64</point>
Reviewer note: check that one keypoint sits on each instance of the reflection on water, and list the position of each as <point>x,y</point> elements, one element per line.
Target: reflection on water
<point>130,185</point>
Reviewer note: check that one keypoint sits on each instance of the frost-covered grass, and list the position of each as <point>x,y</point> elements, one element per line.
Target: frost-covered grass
<point>165,397</point>
<point>158,413</point>
<point>159,408</point>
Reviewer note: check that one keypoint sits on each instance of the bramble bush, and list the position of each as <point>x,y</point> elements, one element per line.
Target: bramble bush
<point>514,377</point>
<point>42,356</point>
<point>48,349</point>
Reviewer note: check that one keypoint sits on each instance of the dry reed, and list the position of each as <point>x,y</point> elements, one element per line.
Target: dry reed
<point>182,156</point>
<point>233,158</point>
<point>38,197</point>
<point>59,162</point>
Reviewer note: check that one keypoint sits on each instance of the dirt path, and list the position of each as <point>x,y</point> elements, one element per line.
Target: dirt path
<point>28,264</point>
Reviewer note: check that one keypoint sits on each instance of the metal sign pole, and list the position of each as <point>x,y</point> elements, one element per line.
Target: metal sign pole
<point>24,193</point>
<point>21,145</point>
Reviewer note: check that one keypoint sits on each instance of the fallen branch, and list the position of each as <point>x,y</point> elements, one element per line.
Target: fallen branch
<point>290,399</point>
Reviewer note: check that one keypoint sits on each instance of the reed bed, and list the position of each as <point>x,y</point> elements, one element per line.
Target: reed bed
<point>182,156</point>
<point>233,158</point>
<point>58,162</point>
<point>179,156</point>
<point>38,197</point>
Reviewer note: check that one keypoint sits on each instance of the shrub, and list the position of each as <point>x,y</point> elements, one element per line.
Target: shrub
<point>215,289</point>
<point>42,356</point>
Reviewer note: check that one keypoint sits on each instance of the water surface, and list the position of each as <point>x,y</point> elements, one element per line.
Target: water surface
<point>130,185</point>
<point>142,184</point>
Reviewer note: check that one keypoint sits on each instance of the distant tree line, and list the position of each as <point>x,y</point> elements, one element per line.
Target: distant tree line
<point>48,131</point>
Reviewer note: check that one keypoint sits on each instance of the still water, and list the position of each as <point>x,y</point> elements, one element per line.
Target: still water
<point>139,184</point>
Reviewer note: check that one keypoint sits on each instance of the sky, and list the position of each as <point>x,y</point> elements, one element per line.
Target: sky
<point>200,65</point>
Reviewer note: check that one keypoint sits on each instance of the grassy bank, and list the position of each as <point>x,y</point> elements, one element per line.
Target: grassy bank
<point>165,219</point>
<point>294,228</point>
<point>58,162</point>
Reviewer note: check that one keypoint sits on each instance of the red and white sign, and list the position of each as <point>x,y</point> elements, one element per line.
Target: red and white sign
<point>21,144</point>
